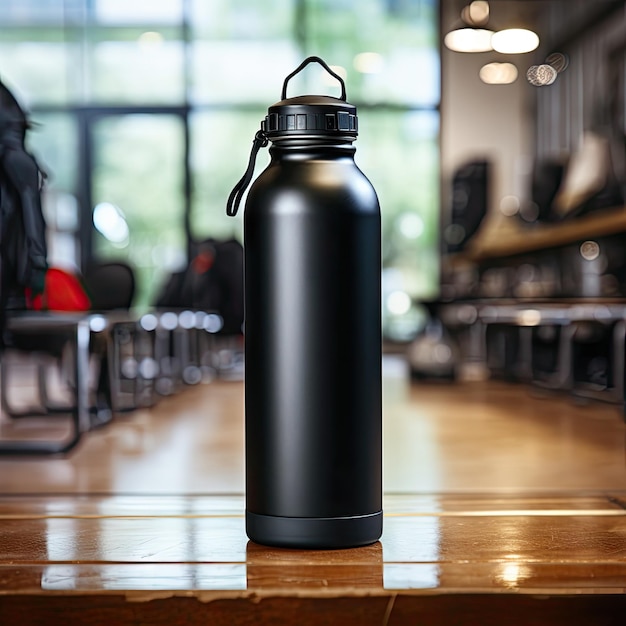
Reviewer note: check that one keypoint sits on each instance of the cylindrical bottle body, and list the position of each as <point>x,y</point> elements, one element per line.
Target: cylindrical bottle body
<point>313,352</point>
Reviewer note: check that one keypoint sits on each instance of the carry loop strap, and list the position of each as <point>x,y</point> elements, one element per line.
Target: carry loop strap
<point>323,64</point>
<point>234,199</point>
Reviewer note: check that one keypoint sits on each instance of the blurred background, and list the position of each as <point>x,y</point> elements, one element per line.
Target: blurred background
<point>144,114</point>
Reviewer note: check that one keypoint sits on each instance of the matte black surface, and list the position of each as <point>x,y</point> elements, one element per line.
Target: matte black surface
<point>312,338</point>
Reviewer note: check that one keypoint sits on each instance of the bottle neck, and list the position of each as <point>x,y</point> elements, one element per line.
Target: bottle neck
<point>293,148</point>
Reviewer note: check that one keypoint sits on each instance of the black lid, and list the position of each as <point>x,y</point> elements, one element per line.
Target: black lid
<point>311,115</point>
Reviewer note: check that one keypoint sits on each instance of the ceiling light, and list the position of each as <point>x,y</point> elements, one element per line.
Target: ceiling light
<point>469,40</point>
<point>476,13</point>
<point>547,72</point>
<point>468,34</point>
<point>541,75</point>
<point>498,73</point>
<point>514,41</point>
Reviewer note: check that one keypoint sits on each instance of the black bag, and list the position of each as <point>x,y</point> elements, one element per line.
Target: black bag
<point>22,227</point>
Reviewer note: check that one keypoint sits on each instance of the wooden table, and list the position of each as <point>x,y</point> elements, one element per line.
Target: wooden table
<point>500,508</point>
<point>185,559</point>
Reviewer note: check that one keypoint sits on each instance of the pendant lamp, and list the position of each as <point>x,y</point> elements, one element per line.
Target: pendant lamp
<point>469,34</point>
<point>515,41</point>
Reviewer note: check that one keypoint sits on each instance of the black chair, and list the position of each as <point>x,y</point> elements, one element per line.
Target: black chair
<point>110,285</point>
<point>75,341</point>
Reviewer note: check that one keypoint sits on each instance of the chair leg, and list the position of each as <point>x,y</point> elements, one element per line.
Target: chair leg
<point>101,411</point>
<point>80,413</point>
<point>43,409</point>
<point>124,335</point>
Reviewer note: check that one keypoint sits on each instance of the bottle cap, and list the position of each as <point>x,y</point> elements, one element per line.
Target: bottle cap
<point>302,116</point>
<point>312,114</point>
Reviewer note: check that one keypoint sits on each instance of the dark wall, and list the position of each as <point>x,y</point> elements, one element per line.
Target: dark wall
<point>589,94</point>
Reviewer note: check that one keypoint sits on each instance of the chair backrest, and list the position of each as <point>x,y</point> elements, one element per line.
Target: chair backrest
<point>212,281</point>
<point>111,285</point>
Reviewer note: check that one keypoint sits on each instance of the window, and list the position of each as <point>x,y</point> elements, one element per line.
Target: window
<point>152,107</point>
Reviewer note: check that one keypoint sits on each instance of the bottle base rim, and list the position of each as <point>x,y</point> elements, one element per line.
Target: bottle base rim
<point>314,532</point>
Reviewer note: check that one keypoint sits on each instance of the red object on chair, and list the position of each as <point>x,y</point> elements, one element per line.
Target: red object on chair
<point>63,291</point>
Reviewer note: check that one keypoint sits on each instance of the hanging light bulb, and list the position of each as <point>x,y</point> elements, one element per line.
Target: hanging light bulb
<point>498,73</point>
<point>514,41</point>
<point>547,72</point>
<point>469,36</point>
<point>541,75</point>
<point>476,13</point>
<point>469,40</point>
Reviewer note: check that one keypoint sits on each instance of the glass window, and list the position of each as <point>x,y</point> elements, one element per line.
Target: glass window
<point>243,19</point>
<point>399,154</point>
<point>253,73</point>
<point>53,139</point>
<point>138,202</point>
<point>240,49</point>
<point>137,66</point>
<point>221,63</point>
<point>389,54</point>
<point>138,11</point>
<point>214,135</point>
<point>19,12</point>
<point>35,66</point>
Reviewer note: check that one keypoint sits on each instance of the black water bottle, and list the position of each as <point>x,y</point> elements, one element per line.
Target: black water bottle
<point>312,330</point>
